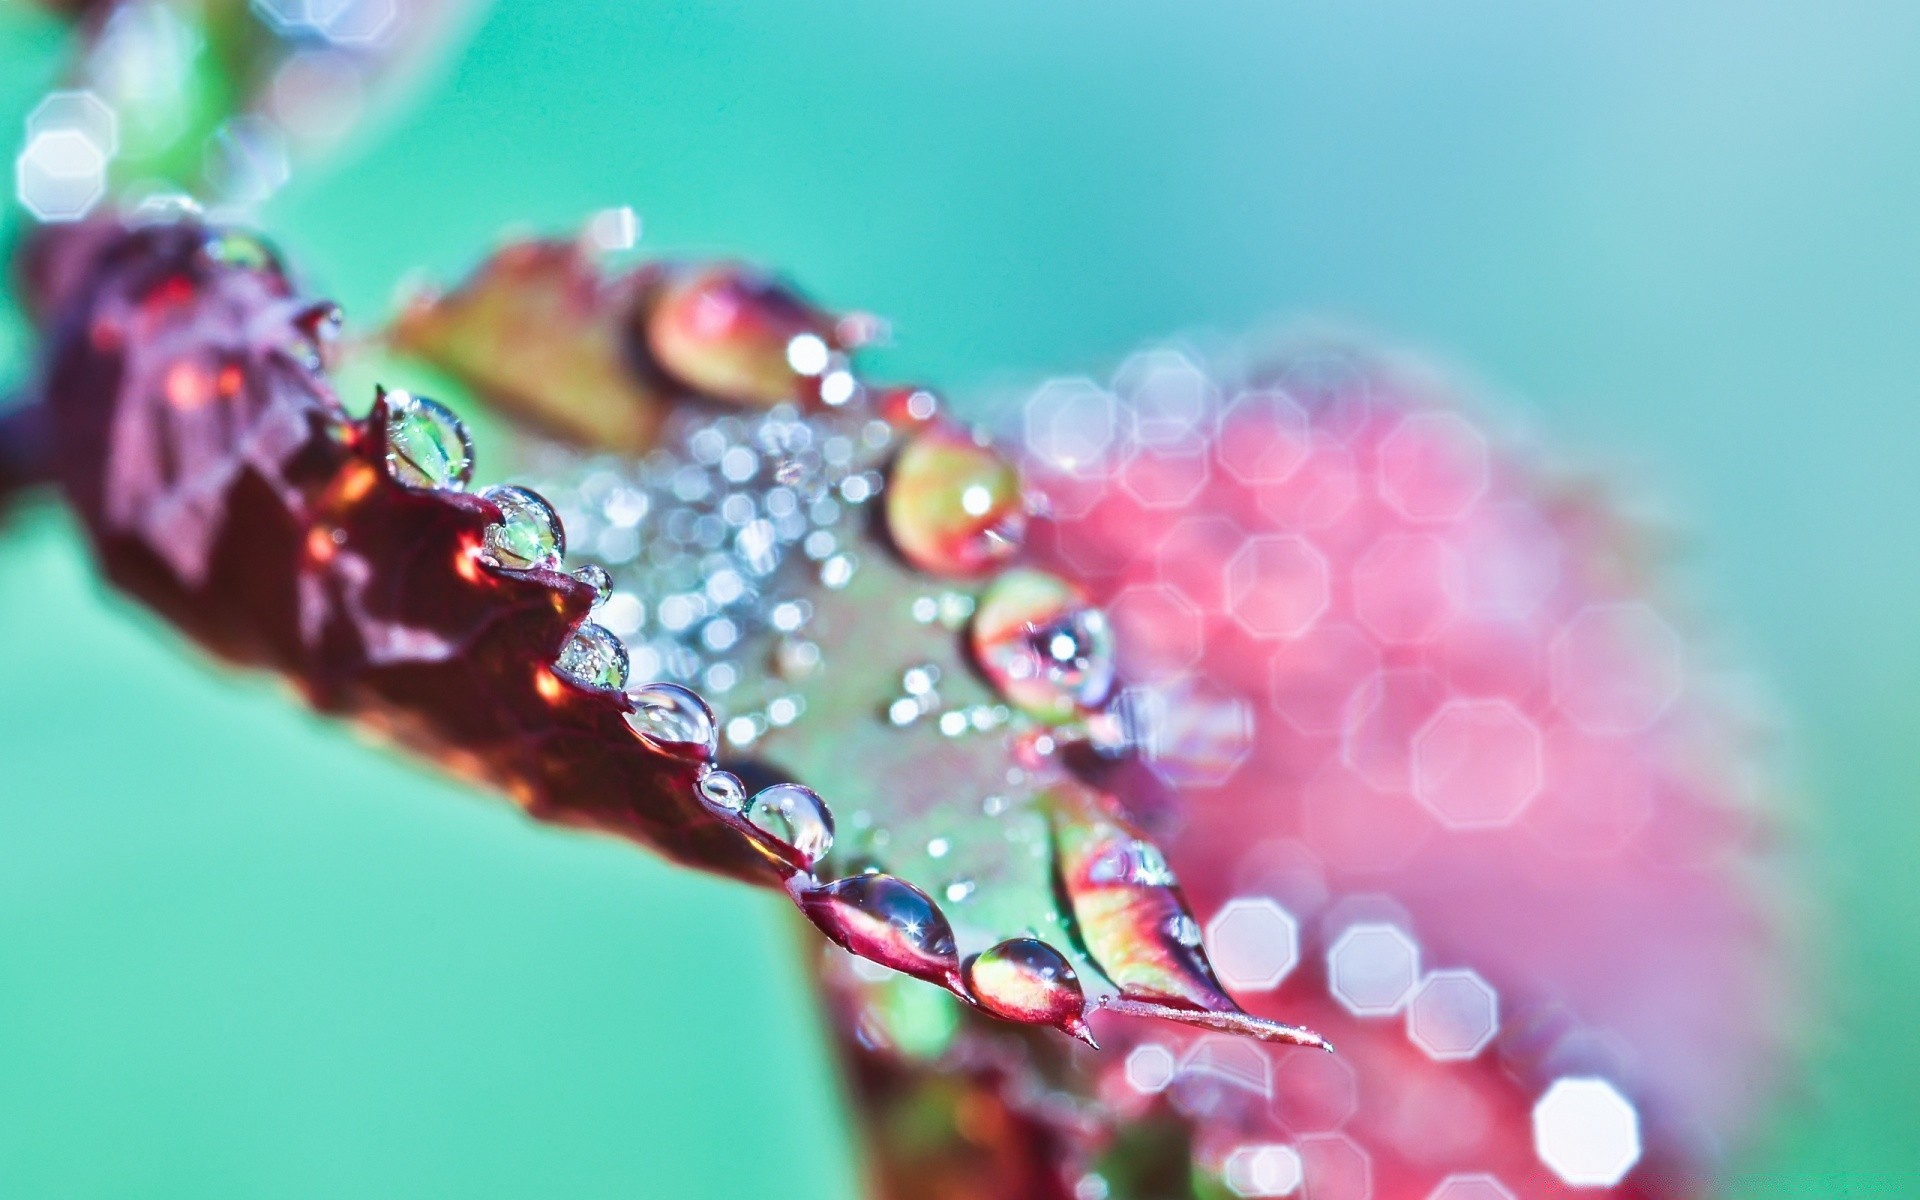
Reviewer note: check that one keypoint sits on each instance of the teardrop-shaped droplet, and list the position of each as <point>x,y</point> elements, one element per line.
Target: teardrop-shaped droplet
<point>427,446</point>
<point>319,324</point>
<point>593,657</point>
<point>1126,906</point>
<point>595,576</point>
<point>673,720</point>
<point>954,506</point>
<point>889,921</point>
<point>1048,650</point>
<point>723,789</point>
<point>1024,979</point>
<point>737,335</point>
<point>527,535</point>
<point>239,248</point>
<point>797,816</point>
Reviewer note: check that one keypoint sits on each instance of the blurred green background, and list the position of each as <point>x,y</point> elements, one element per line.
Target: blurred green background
<point>241,957</point>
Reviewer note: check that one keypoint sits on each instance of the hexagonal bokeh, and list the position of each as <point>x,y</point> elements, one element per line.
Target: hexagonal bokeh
<point>1314,1093</point>
<point>1383,715</point>
<point>1253,943</point>
<point>1586,1132</point>
<point>1433,466</point>
<point>1477,763</point>
<point>1263,1169</point>
<point>1616,667</point>
<point>1277,585</point>
<point>1407,587</point>
<point>1159,625</point>
<point>1073,425</point>
<point>1310,677</point>
<point>1470,1187</point>
<point>1334,1167</point>
<point>1169,398</point>
<point>1189,555</point>
<point>1454,1015</point>
<point>1372,969</point>
<point>1150,1068</point>
<point>1194,734</point>
<point>353,22</point>
<point>60,175</point>
<point>1318,492</point>
<point>1170,476</point>
<point>79,110</point>
<point>1266,437</point>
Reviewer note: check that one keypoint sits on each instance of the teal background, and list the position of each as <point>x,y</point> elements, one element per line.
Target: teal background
<point>241,957</point>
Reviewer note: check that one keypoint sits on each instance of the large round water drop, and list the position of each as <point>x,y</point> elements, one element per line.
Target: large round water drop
<point>527,535</point>
<point>1024,979</point>
<point>889,921</point>
<point>954,505</point>
<point>593,657</point>
<point>1038,640</point>
<point>673,720</point>
<point>427,446</point>
<point>797,816</point>
<point>737,335</point>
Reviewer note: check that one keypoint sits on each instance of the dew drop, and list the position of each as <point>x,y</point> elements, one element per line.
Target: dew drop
<point>527,535</point>
<point>797,816</point>
<point>595,576</point>
<point>888,920</point>
<point>593,657</point>
<point>1026,980</point>
<point>953,505</point>
<point>427,446</point>
<point>723,789</point>
<point>673,719</point>
<point>1038,640</point>
<point>737,335</point>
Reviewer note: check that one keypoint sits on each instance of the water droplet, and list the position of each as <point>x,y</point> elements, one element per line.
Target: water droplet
<point>1026,980</point>
<point>593,657</point>
<point>595,576</point>
<point>723,789</point>
<point>427,446</point>
<point>797,816</point>
<point>320,324</point>
<point>1183,929</point>
<point>527,535</point>
<point>728,331</point>
<point>1038,640</point>
<point>954,506</point>
<point>238,248</point>
<point>888,920</point>
<point>1126,906</point>
<point>673,719</point>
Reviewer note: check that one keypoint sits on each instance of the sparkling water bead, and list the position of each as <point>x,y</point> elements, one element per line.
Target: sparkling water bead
<point>888,921</point>
<point>954,506</point>
<point>797,816</point>
<point>723,789</point>
<point>673,720</point>
<point>593,657</point>
<point>427,446</point>
<point>527,536</point>
<point>1024,979</point>
<point>730,332</point>
<point>595,576</point>
<point>1037,639</point>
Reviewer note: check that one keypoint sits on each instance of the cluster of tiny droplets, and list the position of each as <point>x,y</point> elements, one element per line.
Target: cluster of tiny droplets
<point>1353,633</point>
<point>715,539</point>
